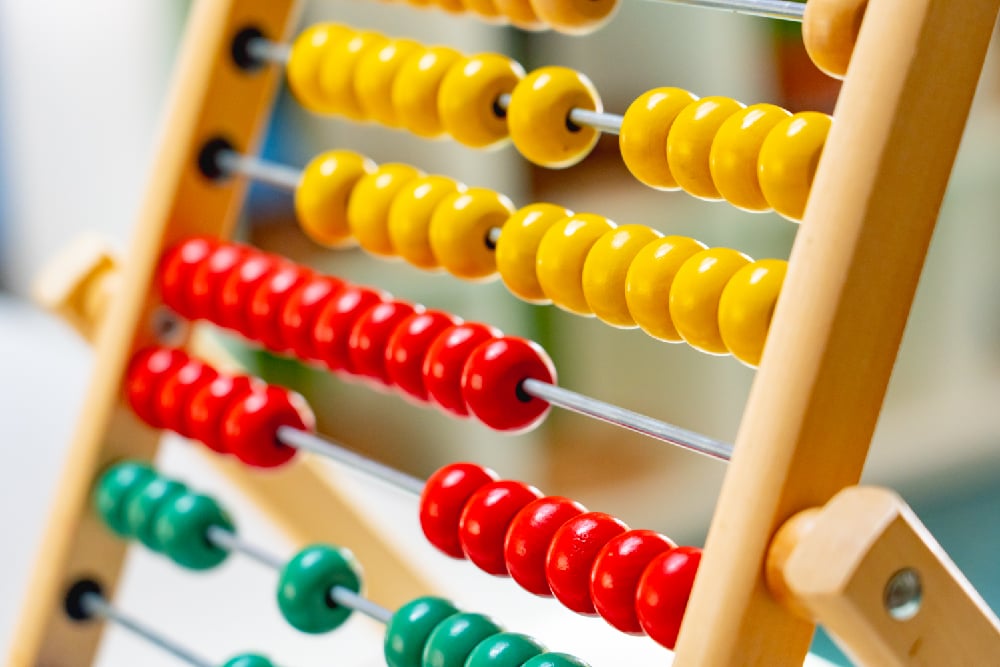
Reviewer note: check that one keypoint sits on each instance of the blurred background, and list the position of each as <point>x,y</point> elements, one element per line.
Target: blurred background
<point>81,91</point>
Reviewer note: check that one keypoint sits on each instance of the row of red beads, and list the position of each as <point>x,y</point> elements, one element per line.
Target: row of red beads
<point>231,414</point>
<point>637,580</point>
<point>428,355</point>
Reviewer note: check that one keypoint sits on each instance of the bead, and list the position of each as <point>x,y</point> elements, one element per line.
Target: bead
<point>407,348</point>
<point>443,500</point>
<point>528,539</point>
<point>485,10</point>
<point>205,295</point>
<point>788,159</point>
<point>181,528</point>
<point>305,583</point>
<point>663,593</point>
<point>309,50</point>
<point>643,135</point>
<point>332,331</point>
<point>733,158</point>
<point>368,206</point>
<point>369,340</point>
<point>144,505</point>
<point>410,626</point>
<point>205,413</point>
<point>830,31</point>
<point>517,249</point>
<point>606,268</point>
<point>450,6</point>
<point>491,383</point>
<point>467,99</point>
<point>268,302</point>
<point>648,282</point>
<point>575,17</point>
<point>505,649</point>
<point>454,638</point>
<point>520,13</point>
<point>176,392</point>
<point>614,578</point>
<point>415,89</point>
<point>695,294</point>
<point>746,306</point>
<point>374,76</point>
<point>561,255</point>
<point>538,117</point>
<point>410,217</point>
<point>239,288</point>
<point>298,318</point>
<point>321,199</point>
<point>249,660</point>
<point>250,426</point>
<point>689,144</point>
<point>459,232</point>
<point>176,271</point>
<point>487,514</point>
<point>445,363</point>
<point>555,660</point>
<point>337,73</point>
<point>113,490</point>
<point>146,373</point>
<point>571,557</point>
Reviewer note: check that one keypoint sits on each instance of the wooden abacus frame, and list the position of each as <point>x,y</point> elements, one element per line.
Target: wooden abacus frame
<point>807,426</point>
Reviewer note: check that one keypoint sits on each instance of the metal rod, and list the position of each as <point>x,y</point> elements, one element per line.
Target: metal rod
<point>278,175</point>
<point>785,10</point>
<point>345,597</point>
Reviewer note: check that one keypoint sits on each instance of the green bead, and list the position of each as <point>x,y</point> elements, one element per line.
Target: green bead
<point>451,642</point>
<point>181,528</point>
<point>507,649</point>
<point>555,660</point>
<point>408,629</point>
<point>249,660</point>
<point>112,492</point>
<point>304,588</point>
<point>143,507</point>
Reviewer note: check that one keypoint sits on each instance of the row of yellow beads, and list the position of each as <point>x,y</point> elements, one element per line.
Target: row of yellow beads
<point>674,288</point>
<point>572,17</point>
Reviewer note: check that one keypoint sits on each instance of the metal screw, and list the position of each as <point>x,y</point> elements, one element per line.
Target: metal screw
<point>903,595</point>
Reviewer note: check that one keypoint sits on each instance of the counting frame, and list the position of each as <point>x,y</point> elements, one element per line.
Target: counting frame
<point>789,496</point>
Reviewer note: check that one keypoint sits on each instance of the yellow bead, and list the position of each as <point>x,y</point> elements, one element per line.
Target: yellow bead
<point>450,6</point>
<point>520,13</point>
<point>606,268</point>
<point>337,73</point>
<point>561,255</point>
<point>538,117</point>
<point>368,207</point>
<point>309,51</point>
<point>575,17</point>
<point>468,95</point>
<point>734,155</point>
<point>517,249</point>
<point>788,159</point>
<point>747,305</point>
<point>695,294</point>
<point>690,142</point>
<point>374,77</point>
<point>410,217</point>
<point>415,90</point>
<point>321,199</point>
<point>648,282</point>
<point>829,32</point>
<point>460,228</point>
<point>485,10</point>
<point>643,137</point>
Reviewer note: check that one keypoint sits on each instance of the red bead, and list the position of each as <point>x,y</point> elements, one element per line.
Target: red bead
<point>176,272</point>
<point>663,593</point>
<point>407,349</point>
<point>268,302</point>
<point>176,393</point>
<point>492,378</point>
<point>482,530</point>
<point>615,576</point>
<point>301,310</point>
<point>205,295</point>
<point>335,321</point>
<point>239,288</point>
<point>446,359</point>
<point>250,426</point>
<point>571,557</point>
<point>443,500</point>
<point>528,540</point>
<point>208,406</point>
<point>146,373</point>
<point>366,348</point>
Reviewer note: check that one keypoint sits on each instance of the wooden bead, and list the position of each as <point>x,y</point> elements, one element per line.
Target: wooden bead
<point>517,249</point>
<point>375,77</point>
<point>733,159</point>
<point>176,392</point>
<point>450,6</point>
<point>321,199</point>
<point>409,628</point>
<point>369,340</point>
<point>643,136</point>
<point>695,295</point>
<point>491,383</point>
<point>248,660</point>
<point>338,70</point>
<point>468,96</point>
<point>443,500</point>
<point>459,232</point>
<point>250,426</point>
<point>175,273</point>
<point>146,373</point>
<point>561,255</point>
<point>115,486</point>
<point>239,288</point>
<point>309,51</point>
<point>204,299</point>
<point>445,363</point>
<point>555,660</point>
<point>179,529</point>
<point>485,10</point>
<point>529,537</point>
<point>268,302</point>
<point>615,576</point>
<point>205,414</point>
<point>407,348</point>
<point>504,649</point>
<point>143,506</point>
<point>788,159</point>
<point>689,144</point>
<point>410,217</point>
<point>571,557</point>
<point>521,14</point>
<point>830,30</point>
<point>606,268</point>
<point>487,514</point>
<point>415,90</point>
<point>298,318</point>
<point>746,306</point>
<point>538,117</point>
<point>332,331</point>
<point>663,593</point>
<point>454,638</point>
<point>304,588</point>
<point>369,203</point>
<point>575,17</point>
<point>648,282</point>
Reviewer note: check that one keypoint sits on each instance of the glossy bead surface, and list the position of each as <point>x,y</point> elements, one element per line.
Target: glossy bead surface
<point>606,268</point>
<point>443,500</point>
<point>529,536</point>
<point>445,364</point>
<point>459,231</point>
<point>176,392</point>
<point>575,17</point>
<point>335,321</point>
<point>307,56</point>
<point>450,6</point>
<point>485,10</point>
<point>298,318</point>
<point>520,13</point>
<point>504,649</point>
<point>487,514</point>
<point>517,248</point>
<point>268,302</point>
<point>695,295</point>
<point>368,206</point>
<point>830,31</point>
<point>369,339</point>
<point>555,660</point>
<point>663,593</point>
<point>407,348</point>
<point>561,255</point>
<point>147,371</point>
<point>249,660</point>
<point>454,638</point>
<point>468,95</point>
<point>144,506</point>
<point>410,217</point>
<point>689,144</point>
<point>205,294</point>
<point>375,76</point>
<point>415,90</point>
<point>113,489</point>
<point>643,136</point>
<point>788,160</point>
<point>746,306</point>
<point>239,288</point>
<point>410,626</point>
<point>321,199</point>
<point>614,578</point>
<point>305,583</point>
<point>648,283</point>
<point>538,117</point>
<point>338,72</point>
<point>251,424</point>
<point>733,158</point>
<point>491,383</point>
<point>572,553</point>
<point>205,414</point>
<point>176,272</point>
<point>181,528</point>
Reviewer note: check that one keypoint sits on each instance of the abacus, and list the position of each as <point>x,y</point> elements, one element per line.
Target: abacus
<point>790,498</point>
